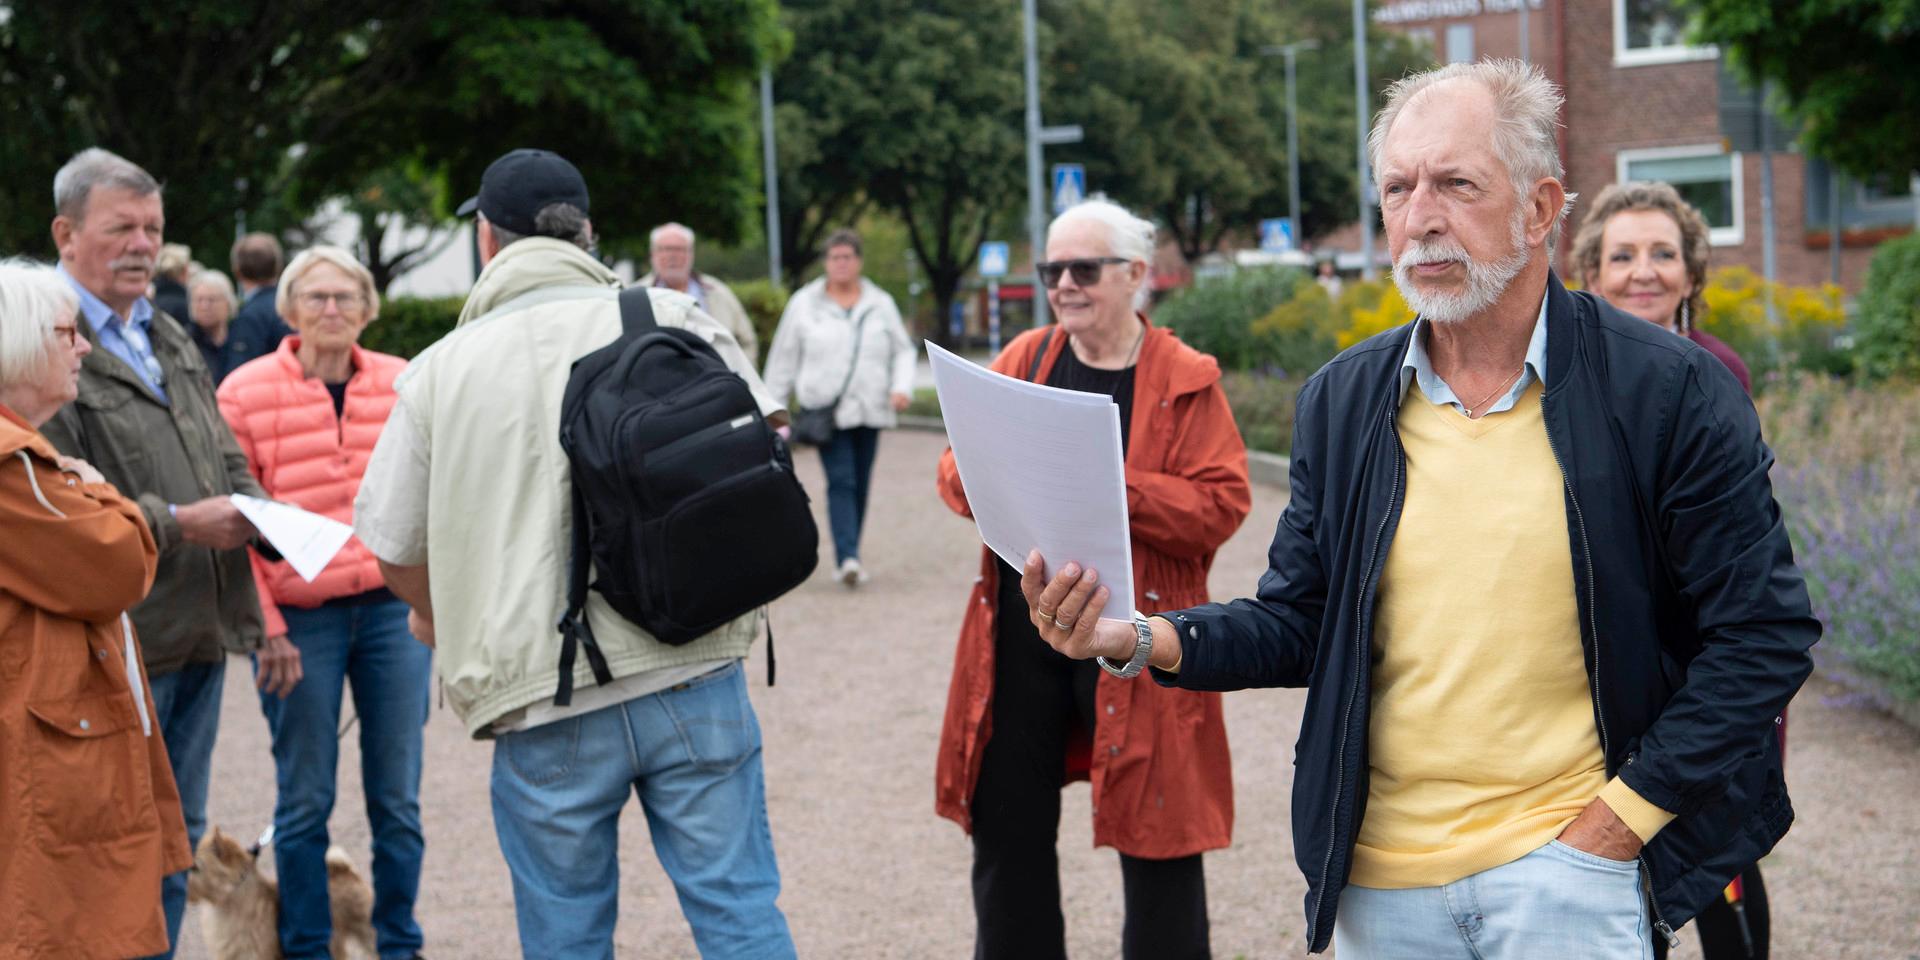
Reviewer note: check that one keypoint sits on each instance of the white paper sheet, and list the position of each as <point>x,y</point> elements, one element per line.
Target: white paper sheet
<point>1042,468</point>
<point>308,541</point>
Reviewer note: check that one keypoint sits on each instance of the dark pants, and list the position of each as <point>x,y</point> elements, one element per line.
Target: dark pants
<point>186,706</point>
<point>848,461</point>
<point>1719,925</point>
<point>1040,699</point>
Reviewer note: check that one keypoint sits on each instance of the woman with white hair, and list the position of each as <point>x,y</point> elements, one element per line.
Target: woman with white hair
<point>213,304</point>
<point>308,416</point>
<point>87,798</point>
<point>1023,720</point>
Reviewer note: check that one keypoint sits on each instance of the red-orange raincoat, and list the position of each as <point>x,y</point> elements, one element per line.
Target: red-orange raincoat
<point>1161,774</point>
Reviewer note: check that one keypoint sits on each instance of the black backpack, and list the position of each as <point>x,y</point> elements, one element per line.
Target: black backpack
<point>685,501</point>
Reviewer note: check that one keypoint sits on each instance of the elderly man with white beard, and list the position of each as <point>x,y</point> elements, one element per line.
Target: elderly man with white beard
<point>1531,573</point>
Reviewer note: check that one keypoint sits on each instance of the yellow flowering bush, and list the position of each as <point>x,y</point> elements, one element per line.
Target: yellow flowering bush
<point>1808,321</point>
<point>1370,307</point>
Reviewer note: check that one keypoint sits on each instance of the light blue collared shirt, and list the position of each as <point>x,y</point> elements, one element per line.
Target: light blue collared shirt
<point>130,339</point>
<point>1419,366</point>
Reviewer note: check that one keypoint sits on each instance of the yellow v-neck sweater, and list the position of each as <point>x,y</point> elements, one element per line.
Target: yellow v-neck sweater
<point>1483,744</point>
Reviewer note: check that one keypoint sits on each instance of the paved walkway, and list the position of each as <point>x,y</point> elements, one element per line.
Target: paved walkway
<point>870,872</point>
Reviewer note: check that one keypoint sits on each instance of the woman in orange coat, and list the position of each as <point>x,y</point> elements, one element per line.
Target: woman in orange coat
<point>1023,720</point>
<point>89,816</point>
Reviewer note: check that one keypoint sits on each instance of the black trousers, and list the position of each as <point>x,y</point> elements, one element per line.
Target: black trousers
<point>1720,925</point>
<point>1040,700</point>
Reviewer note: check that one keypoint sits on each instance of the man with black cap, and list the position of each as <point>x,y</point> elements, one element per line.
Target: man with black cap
<point>466,503</point>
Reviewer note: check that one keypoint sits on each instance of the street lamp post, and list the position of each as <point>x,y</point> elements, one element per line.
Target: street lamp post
<point>1039,136</point>
<point>1287,51</point>
<point>772,174</point>
<point>1362,98</point>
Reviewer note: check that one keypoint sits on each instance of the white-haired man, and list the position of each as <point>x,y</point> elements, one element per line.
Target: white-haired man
<point>146,417</point>
<point>1531,572</point>
<point>670,249</point>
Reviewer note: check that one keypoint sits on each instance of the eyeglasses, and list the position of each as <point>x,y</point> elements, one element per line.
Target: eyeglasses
<point>67,332</point>
<point>317,300</point>
<point>1086,272</point>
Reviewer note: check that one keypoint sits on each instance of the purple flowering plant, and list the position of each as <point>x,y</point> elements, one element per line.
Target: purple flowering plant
<point>1847,478</point>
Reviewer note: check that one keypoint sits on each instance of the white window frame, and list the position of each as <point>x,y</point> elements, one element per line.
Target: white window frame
<point>1645,56</point>
<point>1717,236</point>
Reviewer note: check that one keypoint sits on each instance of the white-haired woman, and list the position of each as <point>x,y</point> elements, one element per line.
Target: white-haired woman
<point>1021,719</point>
<point>87,799</point>
<point>841,347</point>
<point>308,416</point>
<point>213,303</point>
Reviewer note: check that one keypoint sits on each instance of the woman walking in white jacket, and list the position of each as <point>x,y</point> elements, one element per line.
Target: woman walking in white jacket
<point>841,347</point>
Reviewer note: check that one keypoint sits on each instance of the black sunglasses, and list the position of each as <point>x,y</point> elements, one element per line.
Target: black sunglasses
<point>1086,272</point>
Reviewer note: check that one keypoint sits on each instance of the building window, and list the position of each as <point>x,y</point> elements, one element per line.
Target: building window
<point>1653,31</point>
<point>1705,176</point>
<point>1460,43</point>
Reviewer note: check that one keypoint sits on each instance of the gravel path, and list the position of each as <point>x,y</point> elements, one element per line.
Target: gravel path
<point>870,872</point>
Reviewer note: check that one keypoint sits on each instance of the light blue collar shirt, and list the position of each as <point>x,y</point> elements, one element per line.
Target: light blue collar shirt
<point>128,339</point>
<point>1418,366</point>
<point>694,290</point>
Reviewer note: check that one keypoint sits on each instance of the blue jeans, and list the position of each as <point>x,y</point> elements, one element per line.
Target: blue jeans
<point>692,754</point>
<point>369,646</point>
<point>187,707</point>
<point>1555,902</point>
<point>848,461</point>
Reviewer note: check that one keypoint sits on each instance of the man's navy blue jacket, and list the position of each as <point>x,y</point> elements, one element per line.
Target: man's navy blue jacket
<point>1694,619</point>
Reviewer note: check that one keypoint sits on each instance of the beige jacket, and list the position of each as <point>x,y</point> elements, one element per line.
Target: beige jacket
<point>813,348</point>
<point>469,478</point>
<point>724,306</point>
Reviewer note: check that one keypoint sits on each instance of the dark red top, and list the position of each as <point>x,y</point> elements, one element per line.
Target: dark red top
<point>1726,355</point>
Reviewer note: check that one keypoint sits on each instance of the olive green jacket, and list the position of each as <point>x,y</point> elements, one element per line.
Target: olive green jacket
<point>203,602</point>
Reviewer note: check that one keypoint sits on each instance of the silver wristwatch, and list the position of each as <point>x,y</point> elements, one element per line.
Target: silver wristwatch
<point>1142,649</point>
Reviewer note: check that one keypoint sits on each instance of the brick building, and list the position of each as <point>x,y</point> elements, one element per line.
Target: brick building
<point>1643,105</point>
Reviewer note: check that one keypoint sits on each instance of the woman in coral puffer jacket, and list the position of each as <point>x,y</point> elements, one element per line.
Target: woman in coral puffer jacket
<point>308,416</point>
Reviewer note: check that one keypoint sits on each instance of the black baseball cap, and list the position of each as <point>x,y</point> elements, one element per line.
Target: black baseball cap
<point>520,184</point>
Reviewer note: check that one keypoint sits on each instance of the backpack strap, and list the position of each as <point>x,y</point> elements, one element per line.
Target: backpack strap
<point>636,312</point>
<point>1040,355</point>
<point>575,633</point>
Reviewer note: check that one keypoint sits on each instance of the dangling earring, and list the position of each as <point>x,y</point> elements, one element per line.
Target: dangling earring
<point>1686,318</point>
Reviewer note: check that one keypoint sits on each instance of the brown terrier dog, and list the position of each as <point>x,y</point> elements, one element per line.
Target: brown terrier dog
<point>240,906</point>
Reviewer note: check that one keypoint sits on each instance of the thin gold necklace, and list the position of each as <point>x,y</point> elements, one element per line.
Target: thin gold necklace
<point>1496,392</point>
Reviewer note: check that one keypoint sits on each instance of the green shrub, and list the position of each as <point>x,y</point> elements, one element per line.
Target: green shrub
<point>1299,335</point>
<point>764,302</point>
<point>408,325</point>
<point>1263,407</point>
<point>1217,315</point>
<point>1887,337</point>
<point>1808,320</point>
<point>925,403</point>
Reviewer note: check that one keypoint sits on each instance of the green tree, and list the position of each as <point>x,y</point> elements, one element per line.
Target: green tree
<point>826,103</point>
<point>271,109</point>
<point>948,161</point>
<point>1844,67</point>
<point>1186,118</point>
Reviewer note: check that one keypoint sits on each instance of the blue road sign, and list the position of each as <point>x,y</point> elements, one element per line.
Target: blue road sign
<point>1276,234</point>
<point>993,259</point>
<point>1069,186</point>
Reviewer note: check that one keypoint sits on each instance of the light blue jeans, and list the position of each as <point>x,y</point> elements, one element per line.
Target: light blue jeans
<point>692,754</point>
<point>1556,902</point>
<point>366,645</point>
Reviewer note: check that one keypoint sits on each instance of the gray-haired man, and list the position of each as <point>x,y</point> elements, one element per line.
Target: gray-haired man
<point>146,417</point>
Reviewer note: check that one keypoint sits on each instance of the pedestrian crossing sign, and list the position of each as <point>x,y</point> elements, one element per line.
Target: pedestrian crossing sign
<point>1069,186</point>
<point>993,259</point>
<point>1276,234</point>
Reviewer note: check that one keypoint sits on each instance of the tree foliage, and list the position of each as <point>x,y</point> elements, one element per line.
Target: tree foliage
<point>271,109</point>
<point>1846,68</point>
